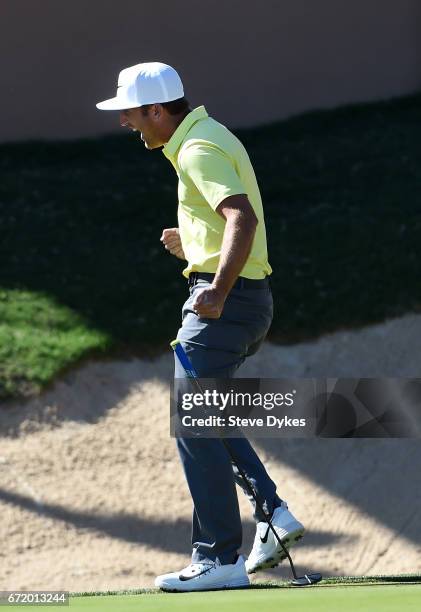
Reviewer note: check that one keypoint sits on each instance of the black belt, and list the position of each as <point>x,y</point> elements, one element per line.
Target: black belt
<point>240,283</point>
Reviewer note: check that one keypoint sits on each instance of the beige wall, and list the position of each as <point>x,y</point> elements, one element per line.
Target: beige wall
<point>248,61</point>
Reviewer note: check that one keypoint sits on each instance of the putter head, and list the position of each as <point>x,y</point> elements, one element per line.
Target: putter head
<point>306,580</point>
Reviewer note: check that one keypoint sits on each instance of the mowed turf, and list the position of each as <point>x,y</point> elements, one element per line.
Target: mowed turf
<point>373,598</point>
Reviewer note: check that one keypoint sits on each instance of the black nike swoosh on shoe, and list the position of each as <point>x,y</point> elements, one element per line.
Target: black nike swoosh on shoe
<point>265,537</point>
<point>184,578</point>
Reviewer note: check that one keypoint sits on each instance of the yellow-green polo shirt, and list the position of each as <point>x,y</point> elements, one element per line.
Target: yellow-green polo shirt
<point>212,164</point>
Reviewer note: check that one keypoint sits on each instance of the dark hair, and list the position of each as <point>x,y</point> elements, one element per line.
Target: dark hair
<point>175,107</point>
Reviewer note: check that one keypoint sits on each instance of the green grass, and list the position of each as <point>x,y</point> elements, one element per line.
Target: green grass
<point>35,332</point>
<point>82,271</point>
<point>330,597</point>
<point>345,599</point>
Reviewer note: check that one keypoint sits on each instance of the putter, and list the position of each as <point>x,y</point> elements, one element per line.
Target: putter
<point>305,580</point>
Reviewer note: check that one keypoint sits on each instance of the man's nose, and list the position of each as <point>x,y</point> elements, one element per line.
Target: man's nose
<point>123,119</point>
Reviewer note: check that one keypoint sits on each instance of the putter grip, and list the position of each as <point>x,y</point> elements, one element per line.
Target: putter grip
<point>184,360</point>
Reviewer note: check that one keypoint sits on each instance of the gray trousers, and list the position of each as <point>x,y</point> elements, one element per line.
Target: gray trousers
<point>216,348</point>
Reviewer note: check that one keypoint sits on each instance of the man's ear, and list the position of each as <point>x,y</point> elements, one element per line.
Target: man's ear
<point>156,111</point>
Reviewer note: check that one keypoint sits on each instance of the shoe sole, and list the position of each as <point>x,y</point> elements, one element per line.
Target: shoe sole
<point>288,541</point>
<point>238,584</point>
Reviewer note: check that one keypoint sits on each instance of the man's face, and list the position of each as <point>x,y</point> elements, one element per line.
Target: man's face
<point>148,125</point>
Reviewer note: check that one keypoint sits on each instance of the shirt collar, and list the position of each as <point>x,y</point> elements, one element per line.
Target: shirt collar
<point>177,138</point>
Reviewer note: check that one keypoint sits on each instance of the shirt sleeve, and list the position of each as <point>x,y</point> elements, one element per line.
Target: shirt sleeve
<point>212,172</point>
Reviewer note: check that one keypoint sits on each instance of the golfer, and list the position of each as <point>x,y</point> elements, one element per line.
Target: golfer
<point>221,235</point>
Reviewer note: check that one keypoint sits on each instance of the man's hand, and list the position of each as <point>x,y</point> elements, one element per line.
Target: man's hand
<point>209,303</point>
<point>172,242</point>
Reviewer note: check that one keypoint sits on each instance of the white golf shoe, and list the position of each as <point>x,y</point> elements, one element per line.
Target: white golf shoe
<point>266,551</point>
<point>205,576</point>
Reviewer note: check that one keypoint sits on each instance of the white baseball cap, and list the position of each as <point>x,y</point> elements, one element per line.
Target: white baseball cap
<point>145,83</point>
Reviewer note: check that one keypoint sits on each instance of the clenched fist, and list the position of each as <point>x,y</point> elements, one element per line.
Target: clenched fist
<point>208,303</point>
<point>171,241</point>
